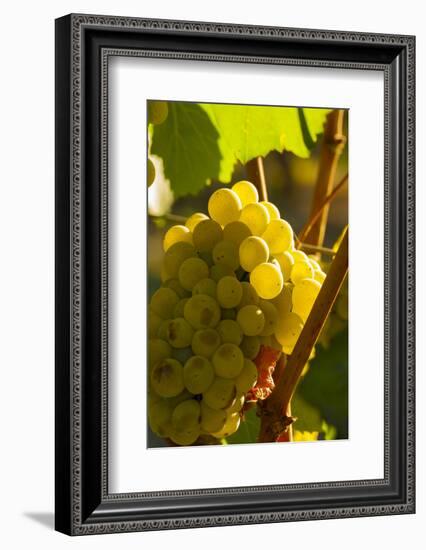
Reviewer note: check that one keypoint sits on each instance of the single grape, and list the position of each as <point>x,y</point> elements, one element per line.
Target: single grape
<point>185,436</point>
<point>159,416</point>
<point>226,253</point>
<point>251,320</point>
<point>175,285</point>
<point>267,279</point>
<point>221,394</point>
<point>157,111</point>
<point>150,172</point>
<point>191,271</point>
<point>299,255</point>
<point>206,234</point>
<point>236,232</point>
<point>198,374</point>
<point>231,426</point>
<point>283,301</point>
<point>163,329</point>
<point>218,271</point>
<point>246,191</point>
<point>319,276</point>
<point>278,236</point>
<point>230,332</point>
<point>252,252</point>
<point>154,322</point>
<point>202,311</point>
<point>224,206</point>
<point>237,405</point>
<point>250,296</point>
<point>167,378</point>
<point>286,262</point>
<point>288,330</point>
<point>250,346</point>
<point>205,286</point>
<point>205,342</point>
<point>175,255</point>
<point>158,350</point>
<point>212,420</point>
<point>271,317</point>
<point>301,270</point>
<point>256,217</point>
<point>304,295</point>
<point>195,219</point>
<point>179,308</point>
<point>316,266</point>
<point>274,213</point>
<point>247,377</point>
<point>179,333</point>
<point>176,234</point>
<point>229,292</point>
<point>163,302</point>
<point>228,360</point>
<point>186,415</point>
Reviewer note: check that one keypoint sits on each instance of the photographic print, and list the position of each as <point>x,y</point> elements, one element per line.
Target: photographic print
<point>247,227</point>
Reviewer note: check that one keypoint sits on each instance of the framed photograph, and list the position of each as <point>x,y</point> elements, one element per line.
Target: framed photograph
<point>234,274</point>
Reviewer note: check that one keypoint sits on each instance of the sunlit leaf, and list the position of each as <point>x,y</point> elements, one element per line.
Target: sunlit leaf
<point>248,131</point>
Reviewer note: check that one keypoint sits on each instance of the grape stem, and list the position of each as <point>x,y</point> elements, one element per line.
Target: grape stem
<point>313,248</point>
<point>256,174</point>
<point>332,146</point>
<point>316,215</point>
<point>275,416</point>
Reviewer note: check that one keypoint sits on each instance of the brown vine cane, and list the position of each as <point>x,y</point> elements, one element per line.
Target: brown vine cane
<point>274,410</point>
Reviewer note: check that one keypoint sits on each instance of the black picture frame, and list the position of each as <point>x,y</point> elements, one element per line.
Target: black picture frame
<point>83,504</point>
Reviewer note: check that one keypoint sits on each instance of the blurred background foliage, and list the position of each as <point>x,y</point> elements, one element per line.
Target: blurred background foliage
<point>198,148</point>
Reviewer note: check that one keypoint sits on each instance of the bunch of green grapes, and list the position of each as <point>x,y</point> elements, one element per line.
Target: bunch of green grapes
<point>232,282</point>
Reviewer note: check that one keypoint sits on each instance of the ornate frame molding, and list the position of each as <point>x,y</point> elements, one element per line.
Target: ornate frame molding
<point>72,517</point>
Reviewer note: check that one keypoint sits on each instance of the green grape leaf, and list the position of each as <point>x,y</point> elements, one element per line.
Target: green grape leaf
<point>248,431</point>
<point>248,131</point>
<point>325,385</point>
<point>308,417</point>
<point>188,144</point>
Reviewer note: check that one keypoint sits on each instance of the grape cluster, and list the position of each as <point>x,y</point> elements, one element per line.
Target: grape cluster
<point>232,283</point>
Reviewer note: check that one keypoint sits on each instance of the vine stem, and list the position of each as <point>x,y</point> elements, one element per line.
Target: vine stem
<point>274,411</point>
<point>312,248</point>
<point>332,146</point>
<point>315,216</point>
